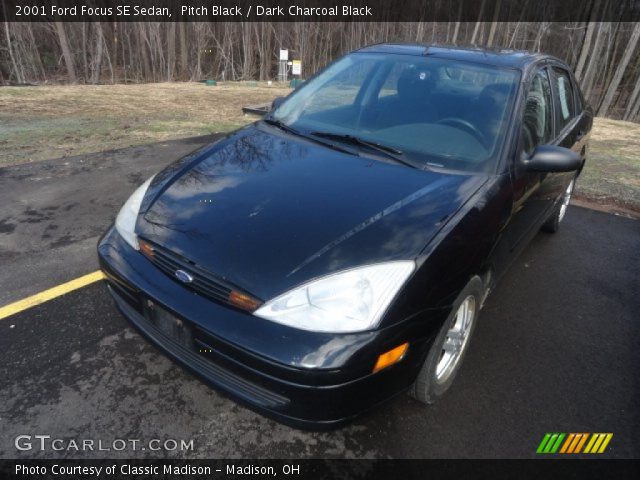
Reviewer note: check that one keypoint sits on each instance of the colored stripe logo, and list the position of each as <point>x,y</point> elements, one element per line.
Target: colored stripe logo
<point>573,443</point>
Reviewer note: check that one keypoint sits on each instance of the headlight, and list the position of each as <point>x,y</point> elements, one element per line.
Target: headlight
<point>126,219</point>
<point>349,301</point>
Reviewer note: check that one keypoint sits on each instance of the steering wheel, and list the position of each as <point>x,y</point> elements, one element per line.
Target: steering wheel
<point>465,126</point>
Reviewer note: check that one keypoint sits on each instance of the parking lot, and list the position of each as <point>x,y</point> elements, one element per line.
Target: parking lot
<point>555,350</point>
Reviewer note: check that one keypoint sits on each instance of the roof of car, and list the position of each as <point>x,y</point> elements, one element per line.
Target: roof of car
<point>504,58</point>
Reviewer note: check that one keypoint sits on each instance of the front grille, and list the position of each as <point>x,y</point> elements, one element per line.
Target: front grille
<point>204,282</point>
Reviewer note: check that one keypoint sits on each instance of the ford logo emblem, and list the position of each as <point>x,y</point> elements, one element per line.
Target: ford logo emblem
<point>183,276</point>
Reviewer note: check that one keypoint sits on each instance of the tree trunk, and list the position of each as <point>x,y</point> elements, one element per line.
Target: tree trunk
<point>114,65</point>
<point>457,29</point>
<point>97,60</point>
<point>586,44</point>
<point>587,81</point>
<point>184,56</point>
<point>14,63</point>
<point>494,23</point>
<point>622,66</point>
<point>36,51</point>
<point>635,110</point>
<point>632,100</point>
<point>475,30</point>
<point>171,51</point>
<point>85,62</point>
<point>455,33</point>
<point>66,51</point>
<point>142,49</point>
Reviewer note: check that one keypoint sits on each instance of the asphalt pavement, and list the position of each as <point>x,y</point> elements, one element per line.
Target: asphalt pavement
<point>556,349</point>
<point>53,212</point>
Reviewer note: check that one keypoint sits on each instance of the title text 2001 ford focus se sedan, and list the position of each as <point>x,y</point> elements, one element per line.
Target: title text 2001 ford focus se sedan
<point>336,253</point>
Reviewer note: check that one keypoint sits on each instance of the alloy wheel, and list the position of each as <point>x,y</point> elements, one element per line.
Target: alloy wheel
<point>456,339</point>
<point>565,200</point>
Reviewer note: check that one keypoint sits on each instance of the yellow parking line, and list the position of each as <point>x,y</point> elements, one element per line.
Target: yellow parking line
<point>46,295</point>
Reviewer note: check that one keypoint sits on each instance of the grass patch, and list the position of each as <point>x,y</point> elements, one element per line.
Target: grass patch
<point>38,123</point>
<point>612,172</point>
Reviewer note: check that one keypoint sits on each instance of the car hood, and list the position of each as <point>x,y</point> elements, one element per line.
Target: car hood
<point>266,210</point>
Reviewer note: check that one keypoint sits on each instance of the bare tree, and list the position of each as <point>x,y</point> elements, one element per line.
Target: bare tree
<point>494,23</point>
<point>17,71</point>
<point>184,55</point>
<point>633,103</point>
<point>605,54</point>
<point>66,51</point>
<point>586,44</point>
<point>171,51</point>
<point>477,27</point>
<point>97,57</point>
<point>620,69</point>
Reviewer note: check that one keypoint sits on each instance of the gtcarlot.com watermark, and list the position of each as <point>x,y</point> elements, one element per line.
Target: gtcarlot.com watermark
<point>47,443</point>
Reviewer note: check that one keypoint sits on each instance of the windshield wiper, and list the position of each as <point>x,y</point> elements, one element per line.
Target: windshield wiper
<point>391,152</point>
<point>283,126</point>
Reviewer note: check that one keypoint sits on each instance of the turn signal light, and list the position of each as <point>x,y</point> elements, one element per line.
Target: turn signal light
<point>243,301</point>
<point>145,248</point>
<point>392,356</point>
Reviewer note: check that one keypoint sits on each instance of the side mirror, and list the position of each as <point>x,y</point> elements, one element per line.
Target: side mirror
<point>276,102</point>
<point>551,158</point>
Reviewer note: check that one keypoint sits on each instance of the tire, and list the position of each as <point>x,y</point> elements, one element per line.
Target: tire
<point>553,223</point>
<point>436,375</point>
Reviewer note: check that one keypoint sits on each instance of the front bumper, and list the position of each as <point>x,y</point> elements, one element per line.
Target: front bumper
<point>305,379</point>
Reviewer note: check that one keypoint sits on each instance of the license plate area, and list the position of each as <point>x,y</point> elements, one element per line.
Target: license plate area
<point>169,325</point>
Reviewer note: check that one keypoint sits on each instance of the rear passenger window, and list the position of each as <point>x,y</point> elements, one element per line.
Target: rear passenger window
<point>565,108</point>
<point>577,96</point>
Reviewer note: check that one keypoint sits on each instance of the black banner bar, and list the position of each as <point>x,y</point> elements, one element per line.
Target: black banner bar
<point>321,469</point>
<point>320,10</point>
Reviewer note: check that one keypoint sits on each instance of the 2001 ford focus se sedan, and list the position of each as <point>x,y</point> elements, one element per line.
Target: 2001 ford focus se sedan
<point>337,252</point>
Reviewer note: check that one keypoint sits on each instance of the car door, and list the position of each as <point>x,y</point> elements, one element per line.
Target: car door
<point>532,199</point>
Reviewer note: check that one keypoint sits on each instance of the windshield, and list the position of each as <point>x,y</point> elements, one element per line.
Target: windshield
<point>434,112</point>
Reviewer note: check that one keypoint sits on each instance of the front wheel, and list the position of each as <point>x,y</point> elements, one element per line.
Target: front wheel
<point>449,348</point>
<point>553,223</point>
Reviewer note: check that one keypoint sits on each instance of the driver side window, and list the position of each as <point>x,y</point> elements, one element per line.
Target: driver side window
<point>537,125</point>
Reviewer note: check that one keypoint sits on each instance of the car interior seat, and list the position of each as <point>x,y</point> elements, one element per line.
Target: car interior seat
<point>414,92</point>
<point>487,114</point>
<point>411,103</point>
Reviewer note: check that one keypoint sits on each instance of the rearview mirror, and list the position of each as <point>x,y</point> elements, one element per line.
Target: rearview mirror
<point>276,102</point>
<point>551,158</point>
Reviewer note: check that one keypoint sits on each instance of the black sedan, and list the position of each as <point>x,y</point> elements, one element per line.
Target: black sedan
<point>337,252</point>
